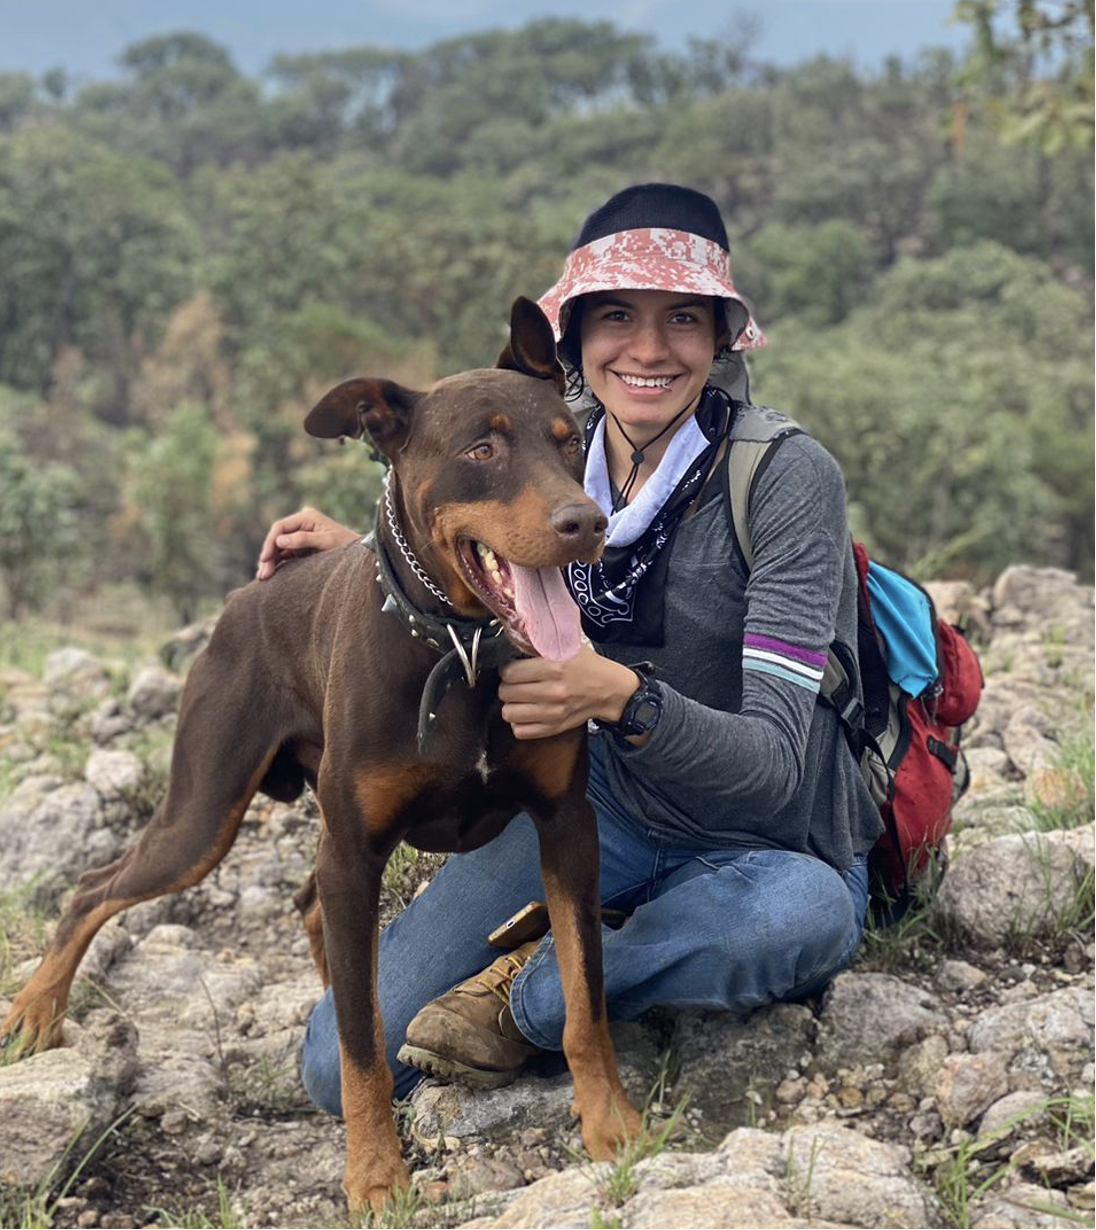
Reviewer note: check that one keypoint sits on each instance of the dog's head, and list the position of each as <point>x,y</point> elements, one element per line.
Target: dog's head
<point>488,481</point>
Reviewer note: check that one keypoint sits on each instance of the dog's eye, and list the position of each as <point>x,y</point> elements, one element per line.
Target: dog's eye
<point>481,452</point>
<point>571,445</point>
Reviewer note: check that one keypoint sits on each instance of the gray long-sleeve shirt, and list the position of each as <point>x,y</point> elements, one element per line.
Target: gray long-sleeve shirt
<point>745,754</point>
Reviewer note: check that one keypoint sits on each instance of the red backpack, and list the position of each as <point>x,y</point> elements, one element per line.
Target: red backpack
<point>907,746</point>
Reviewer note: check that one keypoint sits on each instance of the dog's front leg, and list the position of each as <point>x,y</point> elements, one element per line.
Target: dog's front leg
<point>567,828</point>
<point>348,872</point>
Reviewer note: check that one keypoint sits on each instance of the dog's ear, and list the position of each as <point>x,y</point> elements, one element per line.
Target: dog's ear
<point>380,408</point>
<point>532,348</point>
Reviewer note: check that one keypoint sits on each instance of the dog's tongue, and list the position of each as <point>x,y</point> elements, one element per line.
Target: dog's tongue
<point>547,612</point>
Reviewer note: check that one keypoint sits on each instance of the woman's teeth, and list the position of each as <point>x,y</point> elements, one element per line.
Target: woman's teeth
<point>647,382</point>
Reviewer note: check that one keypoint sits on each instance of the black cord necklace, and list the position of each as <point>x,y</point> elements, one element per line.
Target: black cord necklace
<point>624,494</point>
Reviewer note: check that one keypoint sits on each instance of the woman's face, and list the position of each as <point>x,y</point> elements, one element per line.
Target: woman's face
<point>646,354</point>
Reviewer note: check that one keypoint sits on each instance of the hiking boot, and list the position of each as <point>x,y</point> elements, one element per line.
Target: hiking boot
<point>469,1034</point>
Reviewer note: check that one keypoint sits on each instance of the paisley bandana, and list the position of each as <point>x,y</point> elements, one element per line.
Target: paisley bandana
<point>621,597</point>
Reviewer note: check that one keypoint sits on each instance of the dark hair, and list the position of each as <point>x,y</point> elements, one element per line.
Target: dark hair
<point>665,205</point>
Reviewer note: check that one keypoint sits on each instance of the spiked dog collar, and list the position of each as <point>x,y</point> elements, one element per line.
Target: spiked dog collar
<point>466,646</point>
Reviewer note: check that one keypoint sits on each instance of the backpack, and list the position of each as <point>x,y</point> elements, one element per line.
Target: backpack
<point>906,742</point>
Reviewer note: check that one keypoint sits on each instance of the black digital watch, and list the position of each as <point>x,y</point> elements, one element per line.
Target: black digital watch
<point>644,706</point>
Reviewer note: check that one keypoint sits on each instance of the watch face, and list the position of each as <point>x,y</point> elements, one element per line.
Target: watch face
<point>645,714</point>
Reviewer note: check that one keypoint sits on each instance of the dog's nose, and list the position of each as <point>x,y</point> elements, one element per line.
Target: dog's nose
<point>581,526</point>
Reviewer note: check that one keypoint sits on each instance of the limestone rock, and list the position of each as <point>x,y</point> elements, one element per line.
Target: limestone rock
<point>1010,1111</point>
<point>846,1178</point>
<point>1029,740</point>
<point>114,774</point>
<point>50,834</point>
<point>452,1110</point>
<point>475,1175</point>
<point>1023,590</point>
<point>76,675</point>
<point>1009,885</point>
<point>953,599</point>
<point>866,1018</point>
<point>920,1064</point>
<point>967,1084</point>
<point>958,976</point>
<point>50,1099</point>
<point>109,721</point>
<point>566,1199</point>
<point>726,1203</point>
<point>1053,1032</point>
<point>1022,1206</point>
<point>154,693</point>
<point>178,653</point>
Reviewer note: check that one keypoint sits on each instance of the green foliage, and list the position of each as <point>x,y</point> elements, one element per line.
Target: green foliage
<point>1032,65</point>
<point>168,488</point>
<point>37,525</point>
<point>181,239</point>
<point>972,1169</point>
<point>95,247</point>
<point>816,273</point>
<point>1076,773</point>
<point>958,383</point>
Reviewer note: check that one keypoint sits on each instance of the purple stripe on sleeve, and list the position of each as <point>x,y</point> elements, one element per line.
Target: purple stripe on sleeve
<point>791,651</point>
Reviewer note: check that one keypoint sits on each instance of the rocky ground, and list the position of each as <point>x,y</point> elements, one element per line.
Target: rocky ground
<point>945,1080</point>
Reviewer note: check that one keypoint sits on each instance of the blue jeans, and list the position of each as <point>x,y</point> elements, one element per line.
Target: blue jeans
<point>709,928</point>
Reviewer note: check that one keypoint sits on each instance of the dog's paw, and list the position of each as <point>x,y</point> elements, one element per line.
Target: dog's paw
<point>376,1187</point>
<point>606,1131</point>
<point>30,1028</point>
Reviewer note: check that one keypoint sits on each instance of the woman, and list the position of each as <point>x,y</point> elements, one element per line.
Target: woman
<point>733,822</point>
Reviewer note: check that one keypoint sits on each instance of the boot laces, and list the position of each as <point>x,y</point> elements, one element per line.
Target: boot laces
<point>499,977</point>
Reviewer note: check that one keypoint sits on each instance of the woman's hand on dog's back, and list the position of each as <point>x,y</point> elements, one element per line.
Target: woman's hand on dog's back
<point>300,534</point>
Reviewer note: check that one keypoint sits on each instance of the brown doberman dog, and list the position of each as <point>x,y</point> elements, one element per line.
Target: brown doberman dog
<point>337,672</point>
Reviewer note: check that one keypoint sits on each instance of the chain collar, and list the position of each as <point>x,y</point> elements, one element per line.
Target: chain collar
<point>401,542</point>
<point>476,644</point>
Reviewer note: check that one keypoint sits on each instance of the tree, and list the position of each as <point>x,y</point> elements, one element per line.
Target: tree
<point>169,498</point>
<point>958,400</point>
<point>37,525</point>
<point>1037,82</point>
<point>816,273</point>
<point>96,249</point>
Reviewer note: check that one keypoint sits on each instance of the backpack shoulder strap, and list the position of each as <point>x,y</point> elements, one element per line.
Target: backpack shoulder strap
<point>755,435</point>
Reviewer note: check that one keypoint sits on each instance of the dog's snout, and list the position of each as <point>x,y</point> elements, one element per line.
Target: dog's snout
<point>580,525</point>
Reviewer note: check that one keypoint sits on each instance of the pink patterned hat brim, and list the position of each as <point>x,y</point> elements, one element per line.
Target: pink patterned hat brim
<point>650,258</point>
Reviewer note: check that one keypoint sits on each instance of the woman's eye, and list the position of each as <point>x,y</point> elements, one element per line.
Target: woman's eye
<point>481,452</point>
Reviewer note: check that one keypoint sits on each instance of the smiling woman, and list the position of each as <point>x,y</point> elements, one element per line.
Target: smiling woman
<point>733,822</point>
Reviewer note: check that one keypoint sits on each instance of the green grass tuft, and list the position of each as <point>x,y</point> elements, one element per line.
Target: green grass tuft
<point>965,1177</point>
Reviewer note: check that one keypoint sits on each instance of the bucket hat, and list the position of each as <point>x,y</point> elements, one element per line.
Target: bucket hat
<point>651,237</point>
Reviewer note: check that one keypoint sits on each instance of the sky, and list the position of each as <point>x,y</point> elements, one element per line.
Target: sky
<point>85,36</point>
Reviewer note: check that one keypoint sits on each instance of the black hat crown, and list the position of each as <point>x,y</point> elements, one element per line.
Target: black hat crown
<point>655,205</point>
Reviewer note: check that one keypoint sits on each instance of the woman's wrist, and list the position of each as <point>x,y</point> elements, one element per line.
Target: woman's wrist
<point>619,683</point>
